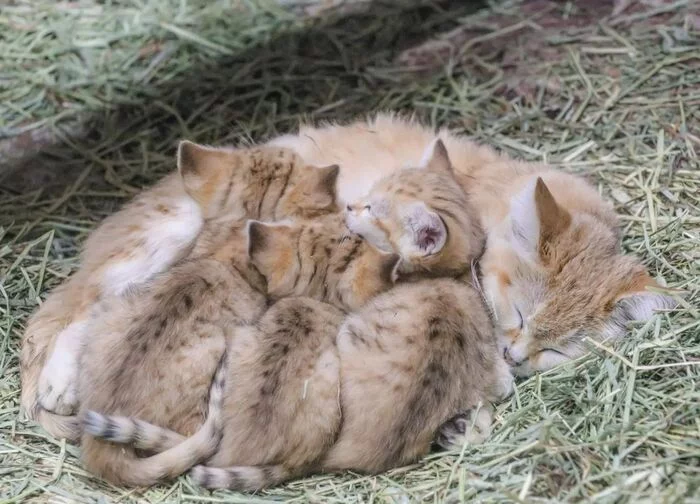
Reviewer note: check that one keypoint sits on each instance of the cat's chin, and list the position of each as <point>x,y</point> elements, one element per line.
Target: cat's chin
<point>522,370</point>
<point>542,361</point>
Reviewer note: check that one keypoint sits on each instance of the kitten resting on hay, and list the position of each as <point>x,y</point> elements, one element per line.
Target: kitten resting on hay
<point>357,373</point>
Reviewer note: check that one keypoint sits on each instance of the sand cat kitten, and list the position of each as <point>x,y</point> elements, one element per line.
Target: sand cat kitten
<point>422,214</point>
<point>365,396</point>
<point>306,394</point>
<point>552,268</point>
<point>320,260</point>
<point>162,347</point>
<point>147,236</point>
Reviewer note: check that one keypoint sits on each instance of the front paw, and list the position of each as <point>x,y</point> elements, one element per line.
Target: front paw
<point>58,386</point>
<point>471,427</point>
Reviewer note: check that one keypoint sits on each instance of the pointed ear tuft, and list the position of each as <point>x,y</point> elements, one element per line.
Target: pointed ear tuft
<point>436,158</point>
<point>328,180</point>
<point>536,219</point>
<point>553,218</point>
<point>189,157</point>
<point>425,229</point>
<point>257,237</point>
<point>389,269</point>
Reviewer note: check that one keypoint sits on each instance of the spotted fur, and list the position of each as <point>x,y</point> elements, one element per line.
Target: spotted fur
<point>311,393</point>
<point>176,332</point>
<point>146,237</point>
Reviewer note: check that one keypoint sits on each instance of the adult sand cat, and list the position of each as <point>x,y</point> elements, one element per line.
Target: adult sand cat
<point>552,269</point>
<point>147,236</point>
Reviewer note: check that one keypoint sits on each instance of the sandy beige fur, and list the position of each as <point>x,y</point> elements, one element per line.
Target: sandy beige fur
<point>320,259</point>
<point>308,394</point>
<point>393,373</point>
<point>146,237</point>
<point>424,215</point>
<point>563,277</point>
<point>176,333</point>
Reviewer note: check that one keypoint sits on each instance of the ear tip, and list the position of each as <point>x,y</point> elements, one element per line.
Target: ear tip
<point>252,224</point>
<point>256,237</point>
<point>333,170</point>
<point>186,156</point>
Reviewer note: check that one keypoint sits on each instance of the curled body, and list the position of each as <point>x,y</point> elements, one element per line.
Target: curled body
<point>157,353</point>
<point>308,392</point>
<point>150,234</point>
<point>552,270</point>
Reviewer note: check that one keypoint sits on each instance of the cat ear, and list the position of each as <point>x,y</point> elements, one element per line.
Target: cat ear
<point>200,167</point>
<point>435,158</point>
<point>425,232</point>
<point>324,193</point>
<point>191,158</point>
<point>536,218</point>
<point>389,269</point>
<point>266,243</point>
<point>642,300</point>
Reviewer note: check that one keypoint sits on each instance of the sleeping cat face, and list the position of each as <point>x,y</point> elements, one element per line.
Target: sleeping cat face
<point>422,214</point>
<point>554,277</point>
<point>320,259</point>
<point>259,183</point>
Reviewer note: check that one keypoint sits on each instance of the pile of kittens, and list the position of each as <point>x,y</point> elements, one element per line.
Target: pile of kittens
<point>236,316</point>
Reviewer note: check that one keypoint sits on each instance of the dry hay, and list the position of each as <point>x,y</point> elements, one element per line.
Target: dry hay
<point>111,86</point>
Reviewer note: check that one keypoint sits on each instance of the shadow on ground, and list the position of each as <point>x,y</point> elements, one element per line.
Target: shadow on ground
<point>333,70</point>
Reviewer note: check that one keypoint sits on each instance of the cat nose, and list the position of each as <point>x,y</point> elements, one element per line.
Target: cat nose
<point>509,358</point>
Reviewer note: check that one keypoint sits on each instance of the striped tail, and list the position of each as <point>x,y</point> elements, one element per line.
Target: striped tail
<point>241,478</point>
<point>178,453</point>
<point>140,434</point>
<point>147,436</point>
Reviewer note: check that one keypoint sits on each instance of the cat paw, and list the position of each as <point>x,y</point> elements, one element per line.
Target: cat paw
<point>58,385</point>
<point>471,427</point>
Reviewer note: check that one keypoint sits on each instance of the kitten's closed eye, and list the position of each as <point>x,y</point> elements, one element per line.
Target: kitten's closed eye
<point>520,318</point>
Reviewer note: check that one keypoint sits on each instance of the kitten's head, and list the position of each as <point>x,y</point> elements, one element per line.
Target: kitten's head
<point>554,277</point>
<point>258,183</point>
<point>423,215</point>
<point>320,259</point>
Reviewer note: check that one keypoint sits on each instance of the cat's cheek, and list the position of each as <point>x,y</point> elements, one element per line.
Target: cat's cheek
<point>503,342</point>
<point>548,359</point>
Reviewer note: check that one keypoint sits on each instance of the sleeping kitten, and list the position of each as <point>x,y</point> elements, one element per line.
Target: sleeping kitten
<point>422,214</point>
<point>147,236</point>
<point>305,394</point>
<point>552,269</point>
<point>163,347</point>
<point>366,395</point>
